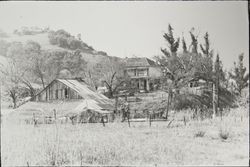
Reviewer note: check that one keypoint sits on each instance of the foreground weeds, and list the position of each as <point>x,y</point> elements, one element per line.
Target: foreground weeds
<point>197,143</point>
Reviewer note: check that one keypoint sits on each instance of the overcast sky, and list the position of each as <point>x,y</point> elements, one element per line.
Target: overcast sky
<point>125,29</point>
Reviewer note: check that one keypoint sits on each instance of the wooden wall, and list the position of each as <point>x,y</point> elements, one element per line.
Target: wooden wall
<point>57,91</point>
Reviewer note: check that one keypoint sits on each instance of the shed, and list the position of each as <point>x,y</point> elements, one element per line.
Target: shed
<point>67,97</point>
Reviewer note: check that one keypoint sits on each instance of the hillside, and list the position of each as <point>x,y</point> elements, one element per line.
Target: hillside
<point>43,40</point>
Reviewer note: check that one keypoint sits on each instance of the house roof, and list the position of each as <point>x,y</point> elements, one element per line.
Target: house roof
<point>84,90</point>
<point>91,100</point>
<point>139,61</point>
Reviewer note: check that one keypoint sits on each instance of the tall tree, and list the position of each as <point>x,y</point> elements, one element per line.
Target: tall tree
<point>194,43</point>
<point>173,43</point>
<point>239,75</point>
<point>113,78</point>
<point>37,60</point>
<point>204,67</point>
<point>206,48</point>
<point>184,45</point>
<point>219,76</point>
<point>12,74</point>
<point>177,69</point>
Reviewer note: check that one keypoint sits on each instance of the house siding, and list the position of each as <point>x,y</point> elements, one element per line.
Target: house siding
<point>57,91</point>
<point>155,72</point>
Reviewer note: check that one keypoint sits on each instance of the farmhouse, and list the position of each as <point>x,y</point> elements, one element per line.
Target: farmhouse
<point>144,73</point>
<point>67,97</point>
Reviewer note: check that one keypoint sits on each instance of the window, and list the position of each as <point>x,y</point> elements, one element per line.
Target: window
<point>142,72</point>
<point>131,72</point>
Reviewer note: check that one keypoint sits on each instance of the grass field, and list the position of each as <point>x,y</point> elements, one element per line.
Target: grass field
<point>197,143</point>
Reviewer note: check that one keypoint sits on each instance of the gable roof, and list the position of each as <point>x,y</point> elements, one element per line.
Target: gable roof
<point>139,61</point>
<point>91,100</point>
<point>84,90</point>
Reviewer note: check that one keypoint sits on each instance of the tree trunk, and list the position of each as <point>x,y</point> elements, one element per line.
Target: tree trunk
<point>168,104</point>
<point>214,101</point>
<point>14,98</point>
<point>41,77</point>
<point>116,103</point>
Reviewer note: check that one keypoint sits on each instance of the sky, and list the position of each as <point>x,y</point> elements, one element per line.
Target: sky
<point>133,28</point>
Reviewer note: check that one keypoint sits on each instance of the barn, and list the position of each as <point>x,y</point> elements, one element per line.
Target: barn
<point>68,98</point>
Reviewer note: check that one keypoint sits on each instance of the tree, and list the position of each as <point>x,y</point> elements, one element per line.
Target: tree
<point>194,43</point>
<point>114,78</point>
<point>74,62</point>
<point>218,77</point>
<point>19,70</point>
<point>204,67</point>
<point>184,45</point>
<point>173,43</point>
<point>37,60</point>
<point>239,75</point>
<point>219,73</point>
<point>206,48</point>
<point>12,77</point>
<point>177,69</point>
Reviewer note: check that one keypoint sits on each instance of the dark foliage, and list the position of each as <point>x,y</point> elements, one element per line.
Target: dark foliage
<point>239,75</point>
<point>65,40</point>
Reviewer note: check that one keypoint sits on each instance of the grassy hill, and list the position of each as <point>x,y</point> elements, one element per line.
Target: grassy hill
<point>43,40</point>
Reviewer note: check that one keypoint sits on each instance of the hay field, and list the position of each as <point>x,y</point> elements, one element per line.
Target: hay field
<point>197,143</point>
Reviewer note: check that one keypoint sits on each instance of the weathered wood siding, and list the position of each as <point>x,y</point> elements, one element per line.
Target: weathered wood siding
<point>57,91</point>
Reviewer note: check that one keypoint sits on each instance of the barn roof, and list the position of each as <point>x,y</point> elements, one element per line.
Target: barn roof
<point>139,61</point>
<point>91,100</point>
<point>84,90</point>
<point>62,108</point>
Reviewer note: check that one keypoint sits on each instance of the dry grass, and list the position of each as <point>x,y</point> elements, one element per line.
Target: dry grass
<point>117,144</point>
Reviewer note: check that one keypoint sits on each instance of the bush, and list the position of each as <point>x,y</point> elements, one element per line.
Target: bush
<point>66,40</point>
<point>199,133</point>
<point>224,134</point>
<point>224,130</point>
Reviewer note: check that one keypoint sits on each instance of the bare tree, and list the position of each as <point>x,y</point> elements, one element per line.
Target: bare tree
<point>12,77</point>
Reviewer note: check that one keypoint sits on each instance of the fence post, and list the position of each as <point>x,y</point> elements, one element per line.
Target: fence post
<point>103,121</point>
<point>34,119</point>
<point>128,119</point>
<point>57,138</point>
<point>55,115</point>
<point>184,119</point>
<point>150,120</point>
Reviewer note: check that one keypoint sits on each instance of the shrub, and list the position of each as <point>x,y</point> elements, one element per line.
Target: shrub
<point>225,129</point>
<point>199,133</point>
<point>224,134</point>
<point>65,40</point>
